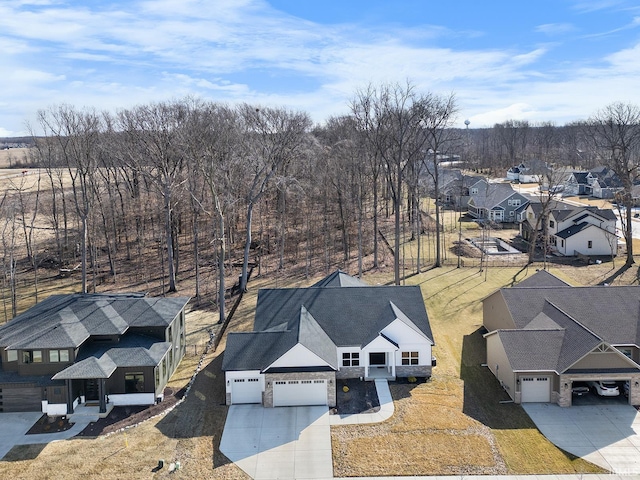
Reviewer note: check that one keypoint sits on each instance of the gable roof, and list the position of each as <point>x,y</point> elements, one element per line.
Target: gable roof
<point>100,361</point>
<point>67,321</point>
<point>542,278</point>
<point>494,194</point>
<point>322,319</point>
<point>611,313</point>
<point>339,279</point>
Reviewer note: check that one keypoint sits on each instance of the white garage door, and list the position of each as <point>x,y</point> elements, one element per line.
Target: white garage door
<point>246,390</point>
<point>535,389</point>
<point>292,393</point>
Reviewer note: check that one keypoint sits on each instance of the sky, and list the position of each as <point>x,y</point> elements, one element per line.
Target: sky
<point>542,60</point>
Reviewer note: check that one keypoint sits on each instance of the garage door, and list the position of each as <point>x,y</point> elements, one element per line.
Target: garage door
<point>293,393</point>
<point>535,389</point>
<point>246,390</point>
<point>25,399</point>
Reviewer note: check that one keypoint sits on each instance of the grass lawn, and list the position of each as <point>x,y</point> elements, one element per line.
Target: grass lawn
<point>454,424</point>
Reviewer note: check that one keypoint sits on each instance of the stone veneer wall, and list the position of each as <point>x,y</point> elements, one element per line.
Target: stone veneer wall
<point>350,372</point>
<point>564,397</point>
<point>330,377</point>
<point>413,370</point>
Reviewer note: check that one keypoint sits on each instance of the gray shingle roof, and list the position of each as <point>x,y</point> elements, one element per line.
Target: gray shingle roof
<point>100,360</point>
<point>574,230</point>
<point>542,278</point>
<point>340,279</point>
<point>612,313</point>
<point>67,321</point>
<point>322,318</point>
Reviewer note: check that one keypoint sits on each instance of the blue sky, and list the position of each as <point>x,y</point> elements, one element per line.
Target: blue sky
<point>540,60</point>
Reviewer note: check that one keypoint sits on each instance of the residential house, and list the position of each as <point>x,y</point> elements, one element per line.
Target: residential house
<point>544,334</point>
<point>96,349</point>
<point>306,338</point>
<point>583,231</point>
<point>576,183</point>
<point>530,224</point>
<point>496,202</point>
<point>534,171</point>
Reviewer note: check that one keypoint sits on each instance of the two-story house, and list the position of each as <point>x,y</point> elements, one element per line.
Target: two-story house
<point>100,350</point>
<point>497,202</point>
<point>583,231</point>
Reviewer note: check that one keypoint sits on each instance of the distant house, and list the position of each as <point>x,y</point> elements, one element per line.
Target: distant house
<point>496,202</point>
<point>530,223</point>
<point>92,349</point>
<point>454,187</point>
<point>576,183</point>
<point>306,338</point>
<point>544,334</point>
<point>533,171</point>
<point>586,231</point>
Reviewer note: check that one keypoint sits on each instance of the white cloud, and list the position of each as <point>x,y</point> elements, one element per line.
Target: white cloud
<point>553,29</point>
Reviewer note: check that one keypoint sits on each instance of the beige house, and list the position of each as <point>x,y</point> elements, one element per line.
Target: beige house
<point>544,334</point>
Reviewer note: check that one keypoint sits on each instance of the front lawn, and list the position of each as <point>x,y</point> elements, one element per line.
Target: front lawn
<point>455,424</point>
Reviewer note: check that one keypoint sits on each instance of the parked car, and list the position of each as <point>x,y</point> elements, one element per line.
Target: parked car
<point>605,388</point>
<point>579,388</point>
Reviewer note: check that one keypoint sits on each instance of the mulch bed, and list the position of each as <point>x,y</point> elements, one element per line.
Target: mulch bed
<point>362,397</point>
<point>47,424</point>
<point>121,417</point>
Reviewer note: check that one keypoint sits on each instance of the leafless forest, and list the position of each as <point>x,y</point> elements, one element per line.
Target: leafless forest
<point>193,196</point>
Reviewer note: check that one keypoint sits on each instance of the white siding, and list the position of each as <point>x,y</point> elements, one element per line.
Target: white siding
<point>300,356</point>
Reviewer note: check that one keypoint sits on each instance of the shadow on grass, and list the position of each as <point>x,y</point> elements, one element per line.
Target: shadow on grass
<point>609,280</point>
<point>482,391</point>
<point>24,452</point>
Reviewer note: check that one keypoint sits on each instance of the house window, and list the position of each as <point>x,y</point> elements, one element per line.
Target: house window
<point>512,213</point>
<point>351,359</point>
<point>12,355</point>
<point>552,224</point>
<point>32,356</point>
<point>134,382</point>
<point>562,243</point>
<point>409,358</point>
<point>474,191</point>
<point>56,356</point>
<point>157,375</point>
<point>590,244</point>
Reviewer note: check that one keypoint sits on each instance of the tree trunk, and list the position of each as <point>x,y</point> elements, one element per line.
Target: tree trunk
<point>247,247</point>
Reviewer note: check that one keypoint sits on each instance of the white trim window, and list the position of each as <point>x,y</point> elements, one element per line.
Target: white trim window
<point>410,358</point>
<point>351,359</point>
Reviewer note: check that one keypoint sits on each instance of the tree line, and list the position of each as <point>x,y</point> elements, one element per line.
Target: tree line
<point>229,185</point>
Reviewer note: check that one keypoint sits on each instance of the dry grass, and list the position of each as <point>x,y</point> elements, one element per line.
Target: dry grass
<point>454,424</point>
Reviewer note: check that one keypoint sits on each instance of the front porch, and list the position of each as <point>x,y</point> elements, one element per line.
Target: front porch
<point>89,411</point>
<point>380,372</point>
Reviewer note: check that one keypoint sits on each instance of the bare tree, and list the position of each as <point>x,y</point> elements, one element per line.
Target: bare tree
<point>153,132</point>
<point>392,118</point>
<point>273,137</point>
<point>615,132</point>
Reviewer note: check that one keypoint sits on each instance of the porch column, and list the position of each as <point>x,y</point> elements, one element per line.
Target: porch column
<point>68,383</point>
<point>101,395</point>
<point>393,363</point>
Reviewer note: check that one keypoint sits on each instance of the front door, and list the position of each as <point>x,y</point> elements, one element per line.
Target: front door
<point>377,359</point>
<point>91,390</point>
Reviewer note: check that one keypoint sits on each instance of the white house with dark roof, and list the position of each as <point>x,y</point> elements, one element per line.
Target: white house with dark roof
<point>584,230</point>
<point>306,338</point>
<point>543,335</point>
<point>97,349</point>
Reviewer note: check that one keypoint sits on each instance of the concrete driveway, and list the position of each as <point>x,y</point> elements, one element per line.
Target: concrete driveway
<point>607,435</point>
<point>14,426</point>
<point>283,442</point>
